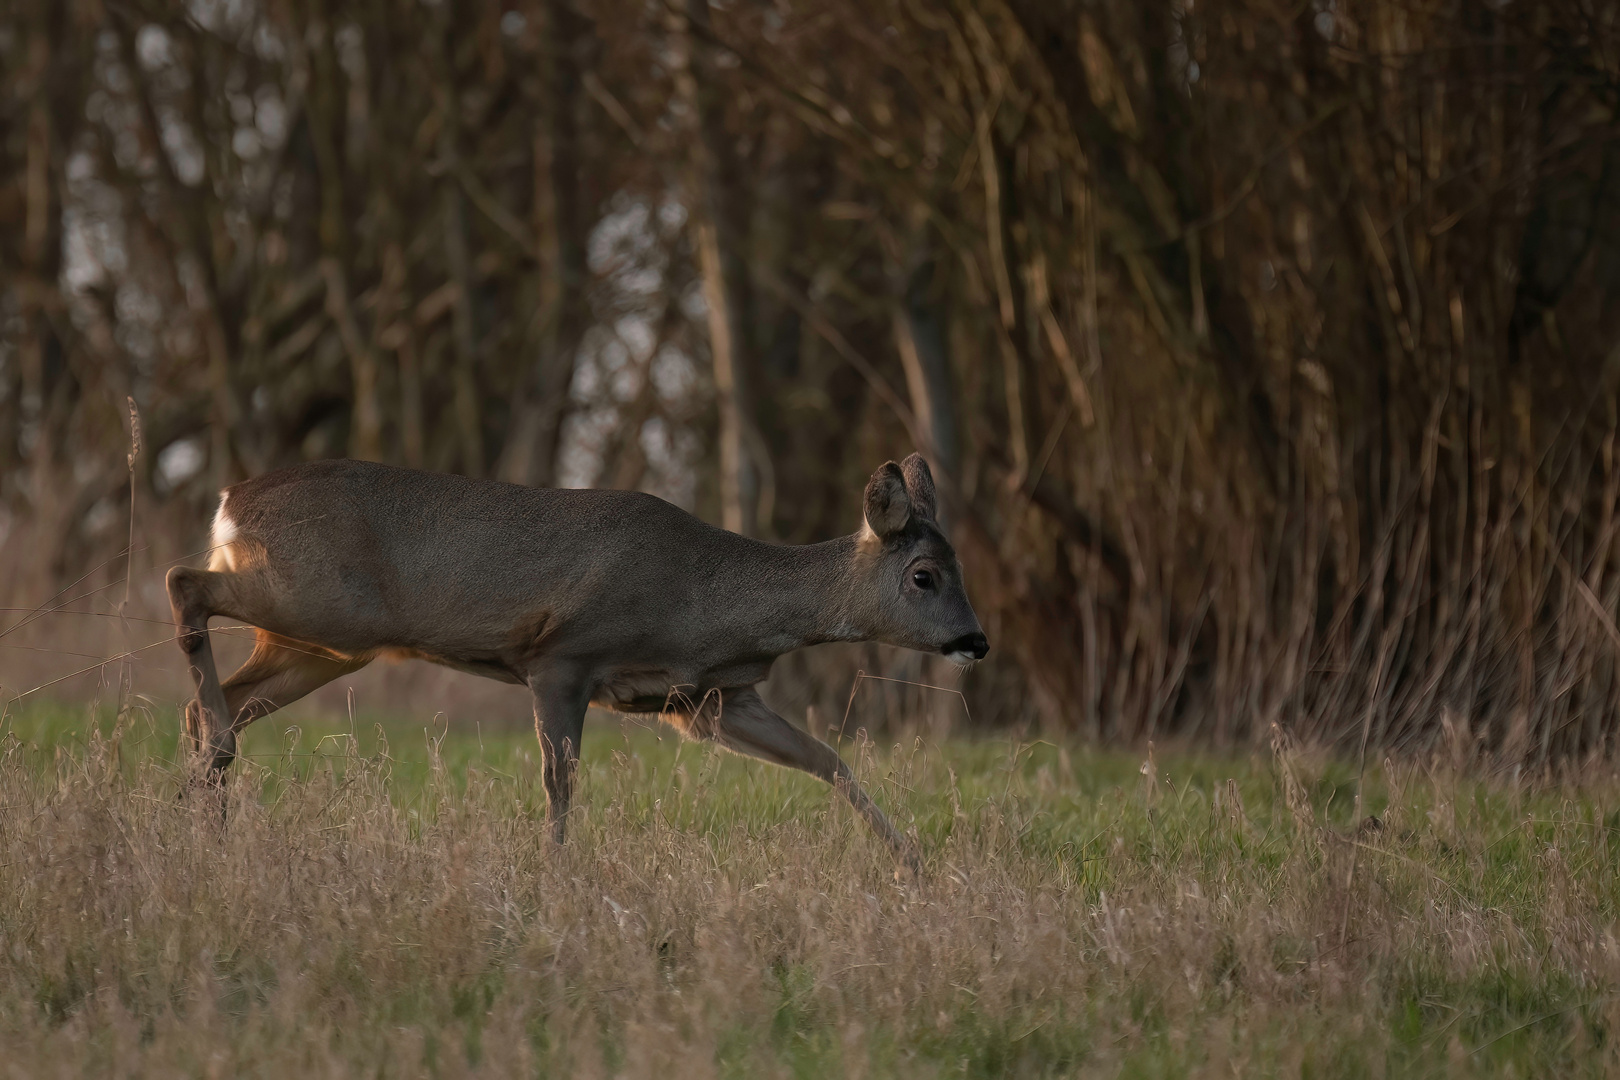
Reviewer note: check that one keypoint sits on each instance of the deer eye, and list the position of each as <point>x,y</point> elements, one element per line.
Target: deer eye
<point>923,579</point>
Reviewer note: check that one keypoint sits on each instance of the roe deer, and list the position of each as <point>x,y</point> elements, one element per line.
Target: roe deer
<point>615,598</point>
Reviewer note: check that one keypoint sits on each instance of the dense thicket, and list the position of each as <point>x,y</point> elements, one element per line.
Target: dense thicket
<point>1266,351</point>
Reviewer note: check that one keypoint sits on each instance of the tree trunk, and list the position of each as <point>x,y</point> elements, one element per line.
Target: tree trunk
<point>919,335</point>
<point>718,230</point>
<point>464,338</point>
<point>463,332</point>
<point>562,226</point>
<point>365,423</point>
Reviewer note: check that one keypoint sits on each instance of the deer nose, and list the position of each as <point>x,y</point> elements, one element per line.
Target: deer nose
<point>975,645</point>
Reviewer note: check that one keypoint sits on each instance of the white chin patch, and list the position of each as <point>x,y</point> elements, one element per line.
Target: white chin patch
<point>960,659</point>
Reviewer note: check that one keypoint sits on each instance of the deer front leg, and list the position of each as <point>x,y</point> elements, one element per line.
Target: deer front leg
<point>559,720</point>
<point>746,725</point>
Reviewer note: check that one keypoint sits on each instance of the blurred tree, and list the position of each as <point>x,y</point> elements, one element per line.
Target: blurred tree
<point>1265,355</point>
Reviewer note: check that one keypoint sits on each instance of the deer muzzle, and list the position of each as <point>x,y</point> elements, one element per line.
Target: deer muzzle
<point>967,648</point>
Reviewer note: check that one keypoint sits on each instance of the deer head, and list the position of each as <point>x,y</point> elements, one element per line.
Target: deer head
<point>912,580</point>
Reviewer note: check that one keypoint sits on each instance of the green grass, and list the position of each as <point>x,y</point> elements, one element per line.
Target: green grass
<point>382,900</point>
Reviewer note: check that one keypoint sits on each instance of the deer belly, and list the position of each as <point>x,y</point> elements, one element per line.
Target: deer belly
<point>646,692</point>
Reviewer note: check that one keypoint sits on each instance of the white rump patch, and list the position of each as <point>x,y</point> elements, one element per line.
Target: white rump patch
<point>223,540</point>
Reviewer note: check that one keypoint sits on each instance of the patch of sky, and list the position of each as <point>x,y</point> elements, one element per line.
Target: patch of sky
<point>229,18</point>
<point>153,47</point>
<point>178,462</point>
<point>674,376</point>
<point>270,115</point>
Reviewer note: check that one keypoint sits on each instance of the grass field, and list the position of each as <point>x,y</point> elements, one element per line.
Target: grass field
<point>385,904</point>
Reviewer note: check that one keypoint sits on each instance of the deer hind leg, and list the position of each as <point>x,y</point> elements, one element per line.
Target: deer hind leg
<point>195,596</point>
<point>744,724</point>
<point>279,672</point>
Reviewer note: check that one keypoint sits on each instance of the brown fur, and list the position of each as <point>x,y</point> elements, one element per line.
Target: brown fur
<point>609,597</point>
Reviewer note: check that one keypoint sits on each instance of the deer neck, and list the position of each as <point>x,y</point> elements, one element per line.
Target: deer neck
<point>802,595</point>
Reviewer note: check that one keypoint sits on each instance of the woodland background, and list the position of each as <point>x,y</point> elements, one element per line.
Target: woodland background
<point>1266,353</point>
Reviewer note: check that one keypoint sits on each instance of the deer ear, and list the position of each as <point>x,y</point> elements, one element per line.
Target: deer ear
<point>920,487</point>
<point>888,507</point>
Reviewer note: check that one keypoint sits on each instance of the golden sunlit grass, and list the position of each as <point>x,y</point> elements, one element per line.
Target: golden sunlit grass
<point>387,905</point>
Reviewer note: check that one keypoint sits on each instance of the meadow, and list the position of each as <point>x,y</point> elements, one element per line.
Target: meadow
<point>381,900</point>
